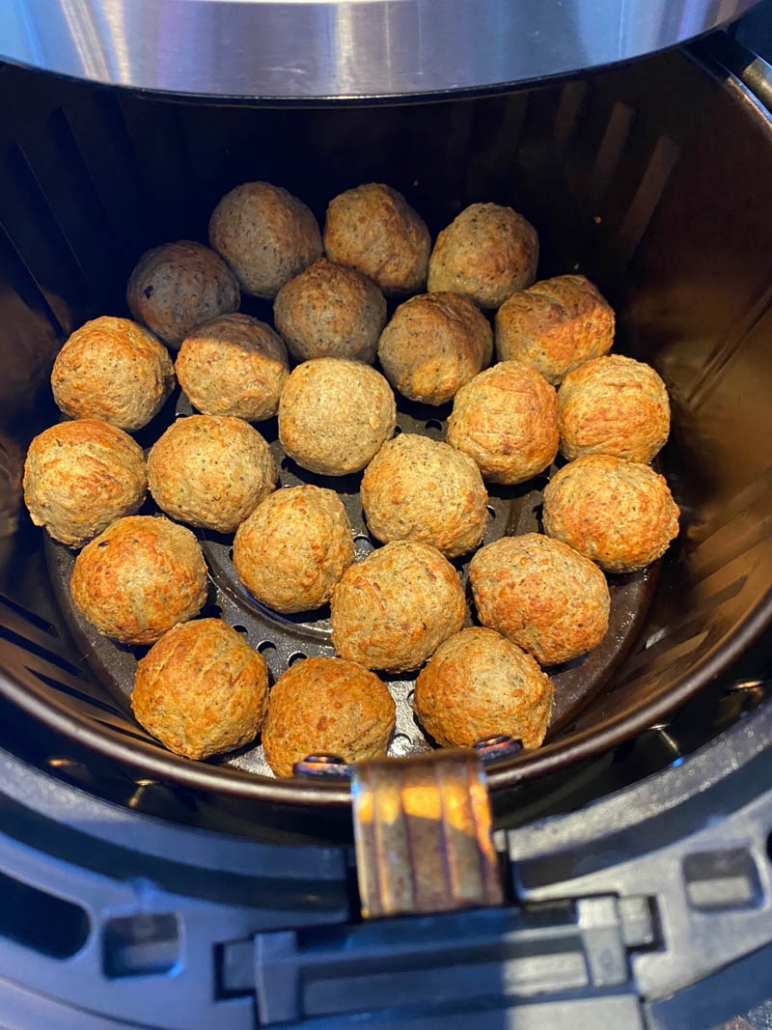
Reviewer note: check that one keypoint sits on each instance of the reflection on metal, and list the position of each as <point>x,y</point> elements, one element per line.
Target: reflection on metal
<point>328,767</point>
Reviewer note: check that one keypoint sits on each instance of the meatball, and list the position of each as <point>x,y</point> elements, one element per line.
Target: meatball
<point>486,253</point>
<point>139,578</point>
<point>506,418</point>
<point>542,595</point>
<point>419,489</point>
<point>327,706</point>
<point>555,326</point>
<point>112,369</point>
<point>266,235</point>
<point>178,286</point>
<point>619,513</point>
<point>211,472</point>
<point>613,405</point>
<point>334,415</point>
<point>201,689</point>
<point>374,229</point>
<point>478,684</point>
<point>392,610</point>
<point>330,311</point>
<point>81,476</point>
<point>294,548</point>
<point>233,365</point>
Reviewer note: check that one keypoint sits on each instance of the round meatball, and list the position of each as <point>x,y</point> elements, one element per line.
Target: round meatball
<point>613,405</point>
<point>392,610</point>
<point>139,578</point>
<point>374,229</point>
<point>419,489</point>
<point>334,415</point>
<point>619,513</point>
<point>555,326</point>
<point>477,685</point>
<point>201,689</point>
<point>542,595</point>
<point>233,365</point>
<point>327,706</point>
<point>294,548</point>
<point>486,253</point>
<point>211,472</point>
<point>266,235</point>
<point>330,311</point>
<point>178,286</point>
<point>81,476</point>
<point>506,418</point>
<point>112,369</point>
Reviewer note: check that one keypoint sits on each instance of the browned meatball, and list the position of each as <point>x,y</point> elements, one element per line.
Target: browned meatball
<point>619,513</point>
<point>112,369</point>
<point>542,595</point>
<point>374,229</point>
<point>478,685</point>
<point>555,326</point>
<point>506,418</point>
<point>139,578</point>
<point>330,311</point>
<point>178,286</point>
<point>266,235</point>
<point>419,489</point>
<point>201,689</point>
<point>327,706</point>
<point>486,253</point>
<point>81,476</point>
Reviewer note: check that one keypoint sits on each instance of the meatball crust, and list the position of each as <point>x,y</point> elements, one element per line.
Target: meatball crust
<point>334,415</point>
<point>139,578</point>
<point>619,513</point>
<point>542,595</point>
<point>555,326</point>
<point>422,490</point>
<point>201,689</point>
<point>178,286</point>
<point>327,706</point>
<point>392,610</point>
<point>477,685</point>
<point>486,253</point>
<point>506,418</point>
<point>81,476</point>
<point>374,229</point>
<point>294,548</point>
<point>114,370</point>
<point>211,472</point>
<point>330,311</point>
<point>266,235</point>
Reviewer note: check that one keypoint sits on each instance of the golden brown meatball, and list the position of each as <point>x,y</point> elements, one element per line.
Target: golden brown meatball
<point>330,311</point>
<point>374,229</point>
<point>327,706</point>
<point>619,513</point>
<point>81,476</point>
<point>486,253</point>
<point>266,235</point>
<point>139,578</point>
<point>211,472</point>
<point>542,595</point>
<point>178,286</point>
<point>478,685</point>
<point>419,489</point>
<point>294,548</point>
<point>201,689</point>
<point>334,415</point>
<point>506,418</point>
<point>112,369</point>
<point>555,326</point>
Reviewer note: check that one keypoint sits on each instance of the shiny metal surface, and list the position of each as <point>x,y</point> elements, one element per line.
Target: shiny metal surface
<point>312,49</point>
